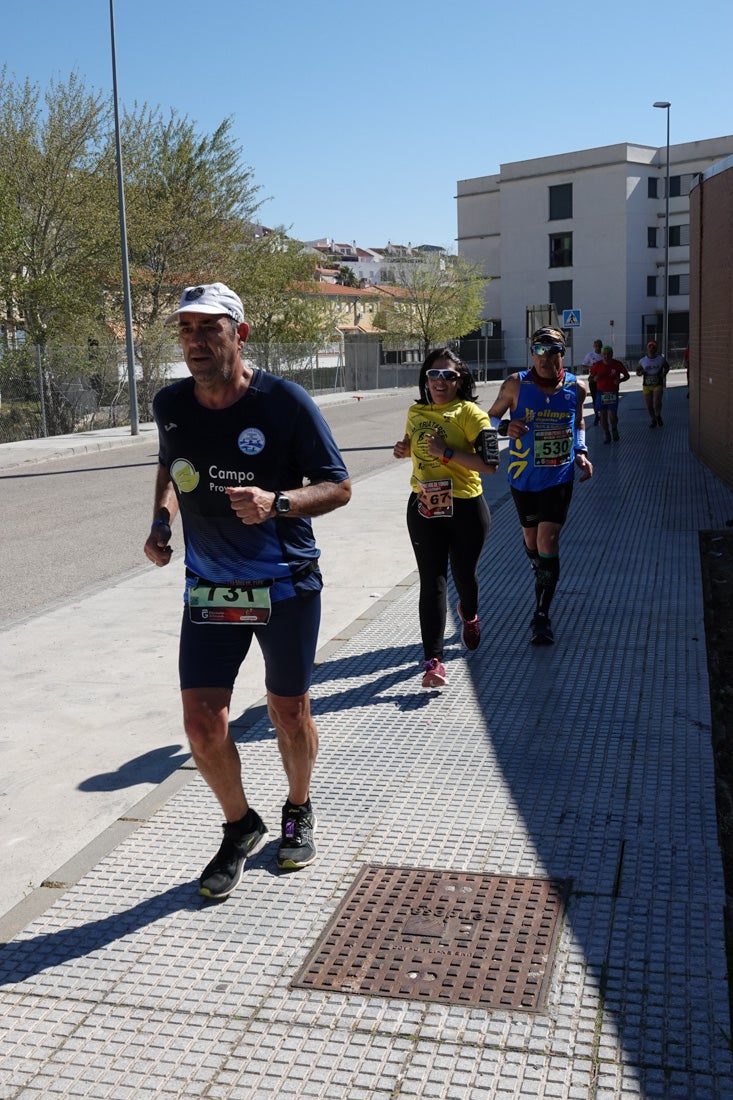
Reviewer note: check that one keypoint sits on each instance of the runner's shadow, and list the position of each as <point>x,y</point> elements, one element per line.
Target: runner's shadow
<point>151,767</point>
<point>23,958</point>
<point>381,671</point>
<point>397,664</point>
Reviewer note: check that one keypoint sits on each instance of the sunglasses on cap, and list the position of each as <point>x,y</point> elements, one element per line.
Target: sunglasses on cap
<point>548,349</point>
<point>447,375</point>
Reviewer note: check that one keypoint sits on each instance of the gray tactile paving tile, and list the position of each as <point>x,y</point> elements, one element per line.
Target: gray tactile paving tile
<point>589,760</point>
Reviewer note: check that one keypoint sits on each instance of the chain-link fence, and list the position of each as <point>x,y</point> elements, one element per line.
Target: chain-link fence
<point>60,390</point>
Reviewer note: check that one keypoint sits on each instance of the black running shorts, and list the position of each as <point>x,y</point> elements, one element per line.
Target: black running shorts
<point>210,655</point>
<point>548,506</point>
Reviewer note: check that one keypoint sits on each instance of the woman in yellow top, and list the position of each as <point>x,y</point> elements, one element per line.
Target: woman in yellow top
<point>451,442</point>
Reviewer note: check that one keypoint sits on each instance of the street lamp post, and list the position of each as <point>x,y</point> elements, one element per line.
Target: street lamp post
<point>665,105</point>
<point>132,386</point>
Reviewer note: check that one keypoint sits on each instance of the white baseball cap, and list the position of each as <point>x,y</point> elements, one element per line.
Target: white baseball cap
<point>209,298</point>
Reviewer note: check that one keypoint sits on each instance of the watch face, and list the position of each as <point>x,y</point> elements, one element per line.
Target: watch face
<point>282,504</point>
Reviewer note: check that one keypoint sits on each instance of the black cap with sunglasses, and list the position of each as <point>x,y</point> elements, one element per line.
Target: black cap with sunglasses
<point>548,341</point>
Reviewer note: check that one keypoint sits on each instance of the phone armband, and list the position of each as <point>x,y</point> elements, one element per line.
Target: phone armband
<point>487,446</point>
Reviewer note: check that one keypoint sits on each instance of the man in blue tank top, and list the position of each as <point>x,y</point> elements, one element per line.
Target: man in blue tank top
<point>546,430</point>
<point>247,459</point>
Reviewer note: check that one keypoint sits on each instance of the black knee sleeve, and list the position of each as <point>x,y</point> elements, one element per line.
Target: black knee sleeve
<point>533,555</point>
<point>546,577</point>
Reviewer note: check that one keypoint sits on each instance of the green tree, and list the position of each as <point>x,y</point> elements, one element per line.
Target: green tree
<point>346,276</point>
<point>10,249</point>
<point>439,298</point>
<point>272,274</point>
<point>56,200</point>
<point>189,200</point>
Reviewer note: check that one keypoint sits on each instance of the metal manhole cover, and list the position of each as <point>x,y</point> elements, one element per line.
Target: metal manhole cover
<point>447,936</point>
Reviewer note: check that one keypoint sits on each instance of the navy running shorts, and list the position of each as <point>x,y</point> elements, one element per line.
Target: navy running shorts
<point>607,401</point>
<point>210,654</point>
<point>548,506</point>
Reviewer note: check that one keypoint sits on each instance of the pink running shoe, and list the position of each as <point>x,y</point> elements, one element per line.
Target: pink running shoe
<point>434,674</point>
<point>471,632</point>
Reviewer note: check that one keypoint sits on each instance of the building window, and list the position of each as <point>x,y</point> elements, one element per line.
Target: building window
<point>561,294</point>
<point>679,284</point>
<point>652,187</point>
<point>651,286</point>
<point>561,250</point>
<point>651,237</point>
<point>680,185</point>
<point>679,235</point>
<point>561,201</point>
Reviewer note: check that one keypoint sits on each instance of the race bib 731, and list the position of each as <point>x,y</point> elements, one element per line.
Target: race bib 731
<point>238,604</point>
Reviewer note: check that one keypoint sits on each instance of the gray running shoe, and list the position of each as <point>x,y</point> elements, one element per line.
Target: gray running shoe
<point>297,845</point>
<point>241,839</point>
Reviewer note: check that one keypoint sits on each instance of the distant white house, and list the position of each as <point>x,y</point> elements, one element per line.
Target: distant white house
<point>585,231</point>
<point>371,266</point>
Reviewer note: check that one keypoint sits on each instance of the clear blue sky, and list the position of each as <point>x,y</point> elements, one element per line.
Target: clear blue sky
<point>358,119</point>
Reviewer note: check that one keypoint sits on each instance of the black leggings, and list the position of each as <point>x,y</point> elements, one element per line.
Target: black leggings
<point>457,539</point>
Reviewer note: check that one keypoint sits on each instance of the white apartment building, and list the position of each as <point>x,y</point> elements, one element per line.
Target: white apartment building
<point>585,232</point>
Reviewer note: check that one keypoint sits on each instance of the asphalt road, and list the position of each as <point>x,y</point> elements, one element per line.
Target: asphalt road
<point>74,525</point>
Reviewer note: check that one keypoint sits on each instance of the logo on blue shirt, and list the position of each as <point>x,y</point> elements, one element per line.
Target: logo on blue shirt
<point>251,441</point>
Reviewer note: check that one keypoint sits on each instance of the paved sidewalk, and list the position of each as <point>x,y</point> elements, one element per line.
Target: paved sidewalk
<point>587,763</point>
<point>95,724</point>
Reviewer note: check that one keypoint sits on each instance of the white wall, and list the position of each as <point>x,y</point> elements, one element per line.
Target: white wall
<point>503,224</point>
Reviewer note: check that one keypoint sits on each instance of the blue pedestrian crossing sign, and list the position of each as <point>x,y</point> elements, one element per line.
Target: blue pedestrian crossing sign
<point>571,318</point>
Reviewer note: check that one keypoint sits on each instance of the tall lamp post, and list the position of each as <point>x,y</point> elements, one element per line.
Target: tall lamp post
<point>123,237</point>
<point>665,105</point>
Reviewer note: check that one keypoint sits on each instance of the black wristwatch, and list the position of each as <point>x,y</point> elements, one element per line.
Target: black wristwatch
<point>281,503</point>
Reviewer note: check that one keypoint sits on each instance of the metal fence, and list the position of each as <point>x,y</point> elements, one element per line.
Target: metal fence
<point>61,390</point>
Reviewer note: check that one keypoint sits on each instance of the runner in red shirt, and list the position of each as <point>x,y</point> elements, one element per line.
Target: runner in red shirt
<point>609,373</point>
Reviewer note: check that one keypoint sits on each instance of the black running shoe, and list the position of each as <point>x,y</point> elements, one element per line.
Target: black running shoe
<point>241,839</point>
<point>297,845</point>
<point>615,435</point>
<point>541,630</point>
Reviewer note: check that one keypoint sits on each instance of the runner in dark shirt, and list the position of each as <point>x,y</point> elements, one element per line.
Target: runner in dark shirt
<point>247,459</point>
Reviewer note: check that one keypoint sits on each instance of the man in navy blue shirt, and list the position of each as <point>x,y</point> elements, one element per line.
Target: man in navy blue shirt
<point>247,459</point>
